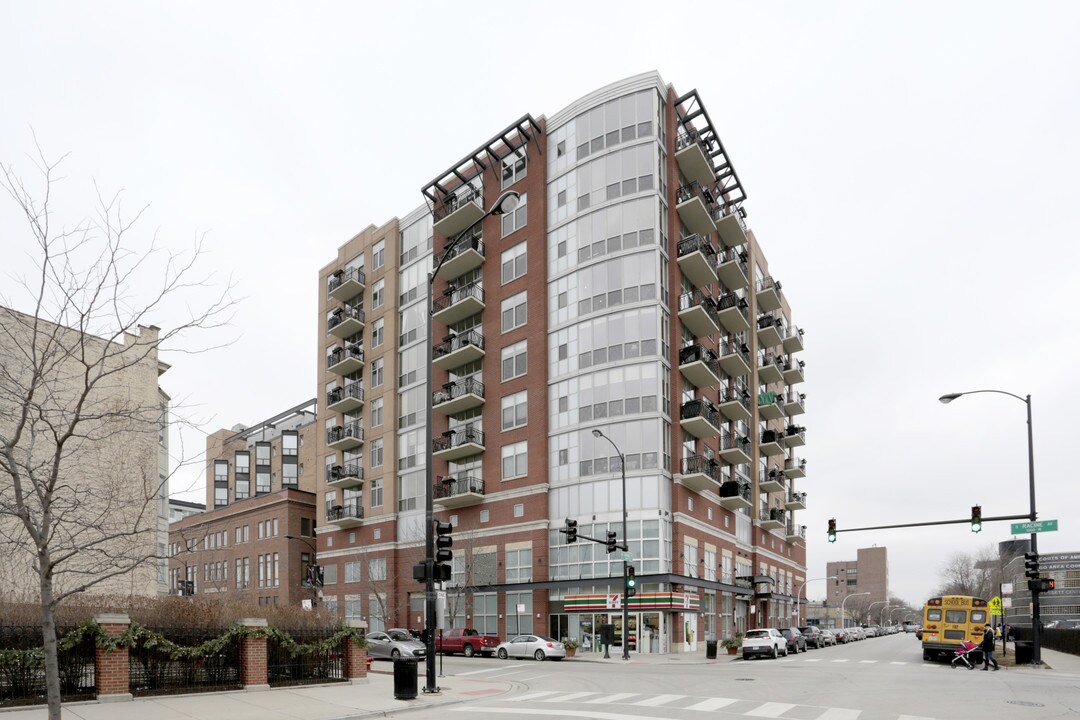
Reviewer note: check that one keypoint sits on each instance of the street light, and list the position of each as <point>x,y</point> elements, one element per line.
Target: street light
<point>798,596</point>
<point>881,618</point>
<point>869,617</point>
<point>843,617</point>
<point>626,601</point>
<point>504,204</point>
<point>314,552</point>
<point>1036,630</point>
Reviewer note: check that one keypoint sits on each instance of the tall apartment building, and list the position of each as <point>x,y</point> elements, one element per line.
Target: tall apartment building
<point>626,294</point>
<point>869,572</point>
<point>258,537</point>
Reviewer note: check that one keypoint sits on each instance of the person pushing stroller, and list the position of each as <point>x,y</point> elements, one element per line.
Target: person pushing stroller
<point>987,647</point>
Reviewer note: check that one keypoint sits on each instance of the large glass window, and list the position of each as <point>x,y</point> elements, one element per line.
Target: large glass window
<point>514,168</point>
<point>515,410</point>
<point>515,360</point>
<point>519,565</point>
<point>515,311</point>
<point>378,255</point>
<point>517,219</point>
<point>515,460</point>
<point>514,263</point>
<point>289,443</point>
<point>486,613</point>
<point>519,613</point>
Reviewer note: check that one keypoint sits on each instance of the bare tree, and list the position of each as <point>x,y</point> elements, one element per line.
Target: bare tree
<point>963,574</point>
<point>80,408</point>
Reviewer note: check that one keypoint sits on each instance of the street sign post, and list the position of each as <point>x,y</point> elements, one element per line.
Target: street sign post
<point>995,606</point>
<point>1023,528</point>
<point>627,557</point>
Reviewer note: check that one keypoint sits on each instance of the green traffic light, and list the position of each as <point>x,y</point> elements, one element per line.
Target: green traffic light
<point>832,537</point>
<point>976,527</point>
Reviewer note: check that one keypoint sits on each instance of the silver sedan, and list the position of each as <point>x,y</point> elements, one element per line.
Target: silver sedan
<point>534,646</point>
<point>394,644</point>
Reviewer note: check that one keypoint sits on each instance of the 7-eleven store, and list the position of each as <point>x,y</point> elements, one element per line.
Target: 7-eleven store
<point>665,622</point>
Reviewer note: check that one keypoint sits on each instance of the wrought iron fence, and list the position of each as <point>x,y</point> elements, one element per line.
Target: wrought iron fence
<point>1066,640</point>
<point>319,666</point>
<point>22,676</point>
<point>154,671</point>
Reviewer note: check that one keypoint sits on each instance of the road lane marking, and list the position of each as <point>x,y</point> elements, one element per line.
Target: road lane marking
<point>770,710</point>
<point>536,695</point>
<point>616,697</point>
<point>812,660</point>
<point>504,674</point>
<point>898,663</point>
<point>476,672</point>
<point>567,697</point>
<point>840,714</point>
<point>840,660</point>
<point>913,717</point>
<point>534,677</point>
<point>866,662</point>
<point>712,704</point>
<point>658,700</point>
<point>575,713</point>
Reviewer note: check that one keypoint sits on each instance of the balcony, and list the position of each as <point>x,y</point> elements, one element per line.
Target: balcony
<point>735,449</point>
<point>734,272</point>
<point>735,495</point>
<point>732,312</point>
<point>736,361</point>
<point>768,295</point>
<point>732,228</point>
<point>735,403</point>
<point>456,444</point>
<point>768,331</point>
<point>770,406</point>
<point>346,437</point>
<point>458,396</point>
<point>699,366</point>
<point>700,419</point>
<point>697,260</point>
<point>769,369</point>
<point>700,473</point>
<point>456,304</point>
<point>345,476</point>
<point>693,157</point>
<point>772,481</point>
<point>794,402</point>
<point>776,519</point>
<point>772,443</point>
<point>458,211</point>
<point>457,350</point>
<point>697,209</point>
<point>795,436</point>
<point>345,322</point>
<point>467,255</point>
<point>794,371</point>
<point>793,339</point>
<point>697,311</point>
<point>343,361</point>
<point>795,468</point>
<point>346,284</point>
<point>456,492</point>
<point>345,399</point>
<point>351,514</point>
<point>795,501</point>
<point>796,532</point>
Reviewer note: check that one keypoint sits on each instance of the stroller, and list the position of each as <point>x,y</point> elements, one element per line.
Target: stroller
<point>963,655</point>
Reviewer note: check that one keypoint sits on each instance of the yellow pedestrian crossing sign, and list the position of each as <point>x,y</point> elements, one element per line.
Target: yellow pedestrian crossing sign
<point>995,606</point>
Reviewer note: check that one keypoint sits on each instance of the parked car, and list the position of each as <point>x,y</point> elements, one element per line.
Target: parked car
<point>868,631</point>
<point>842,636</point>
<point>393,644</point>
<point>814,636</point>
<point>828,637</point>
<point>857,633</point>
<point>534,646</point>
<point>796,643</point>
<point>466,641</point>
<point>763,641</point>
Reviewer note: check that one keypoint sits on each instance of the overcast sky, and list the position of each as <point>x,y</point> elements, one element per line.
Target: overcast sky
<point>911,172</point>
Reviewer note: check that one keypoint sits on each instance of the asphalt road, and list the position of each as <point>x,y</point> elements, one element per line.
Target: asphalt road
<point>875,679</point>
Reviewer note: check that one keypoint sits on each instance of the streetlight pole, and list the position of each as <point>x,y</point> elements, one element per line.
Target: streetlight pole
<point>314,553</point>
<point>798,597</point>
<point>625,600</point>
<point>869,617</point>
<point>843,617</point>
<point>881,620</point>
<point>1036,621</point>
<point>504,204</point>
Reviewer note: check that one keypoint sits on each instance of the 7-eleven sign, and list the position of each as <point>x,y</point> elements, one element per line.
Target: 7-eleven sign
<point>614,602</point>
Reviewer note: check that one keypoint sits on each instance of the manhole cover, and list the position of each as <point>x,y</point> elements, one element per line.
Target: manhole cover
<point>745,679</point>
<point>1025,703</point>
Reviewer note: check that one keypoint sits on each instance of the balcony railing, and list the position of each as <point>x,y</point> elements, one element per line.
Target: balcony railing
<point>448,487</point>
<point>472,290</point>
<point>733,312</point>
<point>696,243</point>
<point>700,408</point>
<point>697,310</point>
<point>351,510</point>
<point>342,315</point>
<point>456,438</point>
<point>692,190</point>
<point>455,201</point>
<point>736,489</point>
<point>338,433</point>
<point>353,390</point>
<point>700,465</point>
<point>699,365</point>
<point>795,435</point>
<point>470,338</point>
<point>735,402</point>
<point>734,271</point>
<point>457,389</point>
<point>735,361</point>
<point>343,276</point>
<point>796,532</point>
<point>341,354</point>
<point>348,470</point>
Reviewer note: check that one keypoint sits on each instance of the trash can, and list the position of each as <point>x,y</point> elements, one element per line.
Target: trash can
<point>710,649</point>
<point>1025,652</point>
<point>405,679</point>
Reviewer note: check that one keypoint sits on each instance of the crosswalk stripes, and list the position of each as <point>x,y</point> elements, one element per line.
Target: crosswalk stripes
<point>840,714</point>
<point>658,700</point>
<point>568,697</point>
<point>712,704</point>
<point>770,710</point>
<point>613,698</point>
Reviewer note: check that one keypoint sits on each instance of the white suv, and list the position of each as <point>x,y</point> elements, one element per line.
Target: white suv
<point>765,641</point>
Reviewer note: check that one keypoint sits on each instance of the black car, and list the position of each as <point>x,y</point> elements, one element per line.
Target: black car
<point>796,642</point>
<point>813,636</point>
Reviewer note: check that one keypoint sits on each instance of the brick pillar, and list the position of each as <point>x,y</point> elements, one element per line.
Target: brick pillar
<point>253,671</point>
<point>111,671</point>
<point>354,658</point>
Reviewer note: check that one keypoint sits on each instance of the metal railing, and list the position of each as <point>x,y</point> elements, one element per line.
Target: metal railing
<point>696,243</point>
<point>456,295</point>
<point>341,354</point>
<point>742,349</point>
<point>772,436</point>
<point>283,668</point>
<point>796,531</point>
<point>792,430</point>
<point>457,342</point>
<point>473,242</point>
<point>700,465</point>
<point>777,514</point>
<point>735,488</point>
<point>341,432</point>
<point>448,487</point>
<point>352,509</point>
<point>342,314</point>
<point>768,283</point>
<point>699,353</point>
<point>791,464</point>
<point>22,677</point>
<point>768,319</point>
<point>767,359</point>
<point>348,470</point>
<point>456,389</point>
<point>456,438</point>
<point>342,276</point>
<point>736,394</point>
<point>788,365</point>
<point>353,390</point>
<point>699,299</point>
<point>700,408</point>
<point>153,671</point>
<point>689,136</point>
<point>694,189</point>
<point>455,201</point>
<point>734,441</point>
<point>799,497</point>
<point>773,475</point>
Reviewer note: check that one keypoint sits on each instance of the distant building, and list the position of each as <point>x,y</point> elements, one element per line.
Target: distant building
<point>869,572</point>
<point>1058,608</point>
<point>180,509</point>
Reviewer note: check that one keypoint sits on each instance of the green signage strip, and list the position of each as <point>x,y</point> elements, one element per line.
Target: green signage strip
<point>1022,528</point>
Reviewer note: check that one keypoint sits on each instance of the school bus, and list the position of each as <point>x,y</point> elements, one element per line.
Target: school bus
<point>948,621</point>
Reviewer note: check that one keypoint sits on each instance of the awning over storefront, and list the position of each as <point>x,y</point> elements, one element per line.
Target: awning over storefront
<point>681,602</point>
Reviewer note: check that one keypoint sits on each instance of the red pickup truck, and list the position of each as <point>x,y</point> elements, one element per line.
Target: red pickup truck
<point>466,641</point>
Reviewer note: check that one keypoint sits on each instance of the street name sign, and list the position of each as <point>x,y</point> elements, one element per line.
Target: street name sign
<point>1022,528</point>
<point>627,557</point>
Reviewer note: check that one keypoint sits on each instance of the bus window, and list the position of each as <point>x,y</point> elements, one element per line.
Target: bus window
<point>956,616</point>
<point>978,616</point>
<point>934,615</point>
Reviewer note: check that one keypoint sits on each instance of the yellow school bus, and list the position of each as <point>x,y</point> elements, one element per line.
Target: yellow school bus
<point>950,620</point>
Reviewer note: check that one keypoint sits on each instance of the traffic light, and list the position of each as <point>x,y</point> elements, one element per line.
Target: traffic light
<point>631,582</point>
<point>832,531</point>
<point>1031,564</point>
<point>571,530</point>
<point>443,555</point>
<point>976,518</point>
<point>612,543</point>
<point>1046,584</point>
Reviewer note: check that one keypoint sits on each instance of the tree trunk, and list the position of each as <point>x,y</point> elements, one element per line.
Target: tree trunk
<point>48,632</point>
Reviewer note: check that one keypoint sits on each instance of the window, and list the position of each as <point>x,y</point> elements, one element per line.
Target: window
<point>376,412</point>
<point>289,443</point>
<point>330,574</point>
<point>352,572</point>
<point>516,220</point>
<point>378,255</point>
<point>519,510</point>
<point>221,496</point>
<point>485,515</point>
<point>514,168</point>
<point>515,360</point>
<point>376,493</point>
<point>515,311</point>
<point>515,410</point>
<point>518,566</point>
<point>378,332</point>
<point>518,623</point>
<point>377,569</point>
<point>221,471</point>
<point>377,372</point>
<point>307,527</point>
<point>515,460</point>
<point>377,453</point>
<point>289,475</point>
<point>514,263</point>
<point>378,294</point>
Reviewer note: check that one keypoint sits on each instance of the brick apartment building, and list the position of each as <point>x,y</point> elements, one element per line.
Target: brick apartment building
<point>869,572</point>
<point>258,538</point>
<point>625,293</point>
